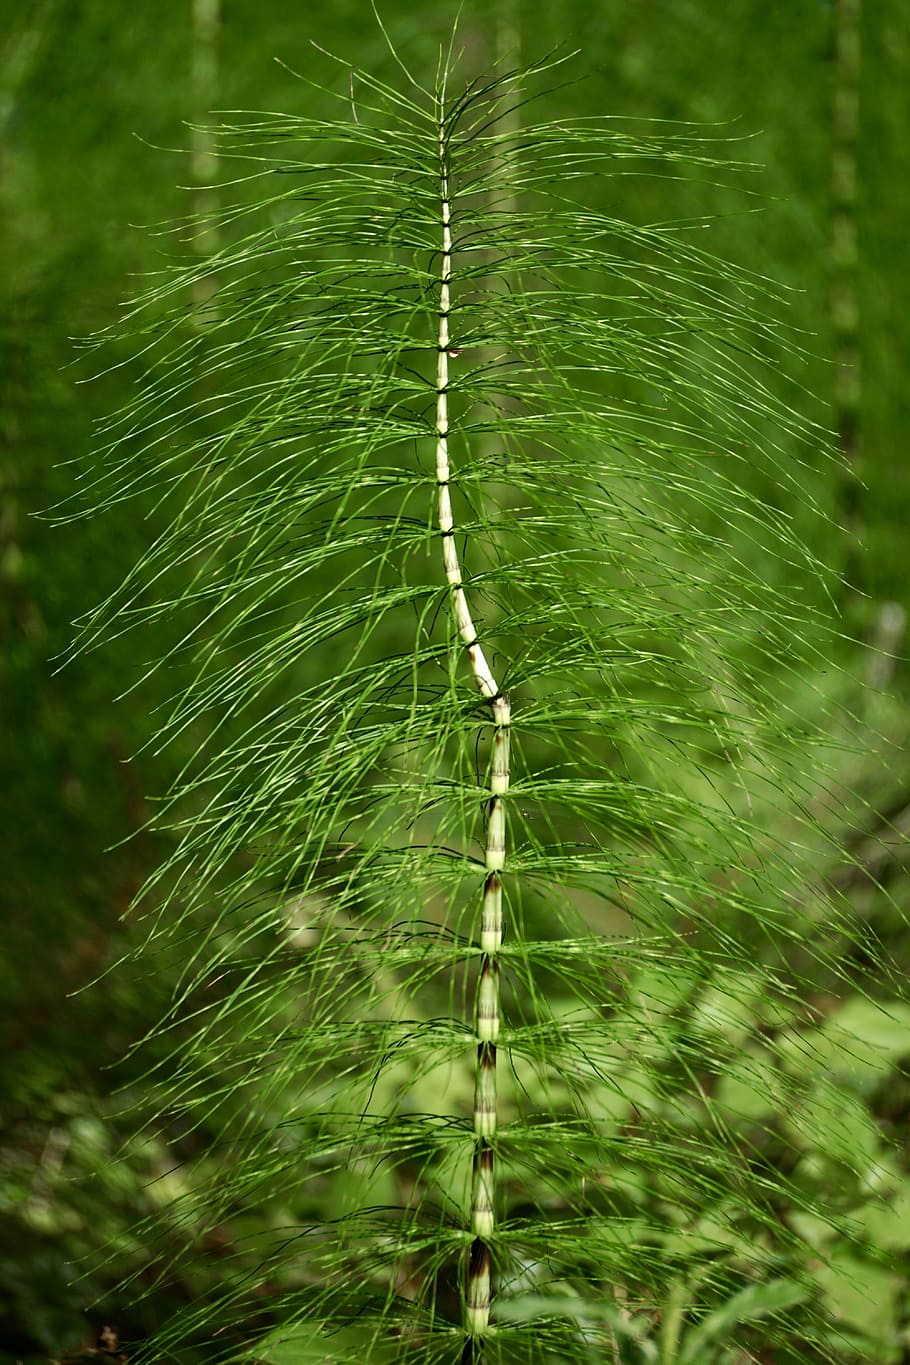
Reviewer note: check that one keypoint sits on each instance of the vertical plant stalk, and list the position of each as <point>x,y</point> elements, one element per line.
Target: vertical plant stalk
<point>204,158</point>
<point>845,307</point>
<point>20,58</point>
<point>478,1288</point>
<point>508,49</point>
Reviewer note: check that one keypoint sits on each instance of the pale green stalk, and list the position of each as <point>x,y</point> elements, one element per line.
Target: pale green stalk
<point>478,1291</point>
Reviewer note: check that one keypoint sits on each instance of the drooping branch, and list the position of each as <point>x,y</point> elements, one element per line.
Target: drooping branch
<point>478,1291</point>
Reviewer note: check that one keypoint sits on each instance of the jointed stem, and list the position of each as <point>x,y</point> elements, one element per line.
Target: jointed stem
<point>478,1291</point>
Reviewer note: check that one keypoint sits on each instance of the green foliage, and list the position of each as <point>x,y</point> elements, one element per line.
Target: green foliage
<point>77,83</point>
<point>670,1115</point>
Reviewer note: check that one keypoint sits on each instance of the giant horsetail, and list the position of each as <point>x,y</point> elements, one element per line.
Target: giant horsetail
<point>373,554</point>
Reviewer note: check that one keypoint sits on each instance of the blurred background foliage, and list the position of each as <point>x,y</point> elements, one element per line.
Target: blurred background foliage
<point>95,99</point>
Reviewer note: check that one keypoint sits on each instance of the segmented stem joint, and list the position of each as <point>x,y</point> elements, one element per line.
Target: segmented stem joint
<point>478,1290</point>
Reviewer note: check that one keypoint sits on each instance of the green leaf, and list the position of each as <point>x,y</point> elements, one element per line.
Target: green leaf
<point>751,1088</point>
<point>867,1038</point>
<point>859,1043</point>
<point>751,1304</point>
<point>885,1221</point>
<point>866,1299</point>
<point>833,1121</point>
<point>315,1344</point>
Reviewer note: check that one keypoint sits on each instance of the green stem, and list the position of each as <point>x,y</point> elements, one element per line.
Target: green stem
<point>845,303</point>
<point>478,1289</point>
<point>204,158</point>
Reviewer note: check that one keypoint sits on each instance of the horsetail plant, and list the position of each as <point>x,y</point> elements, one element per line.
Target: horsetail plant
<point>453,438</point>
<point>477,1294</point>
